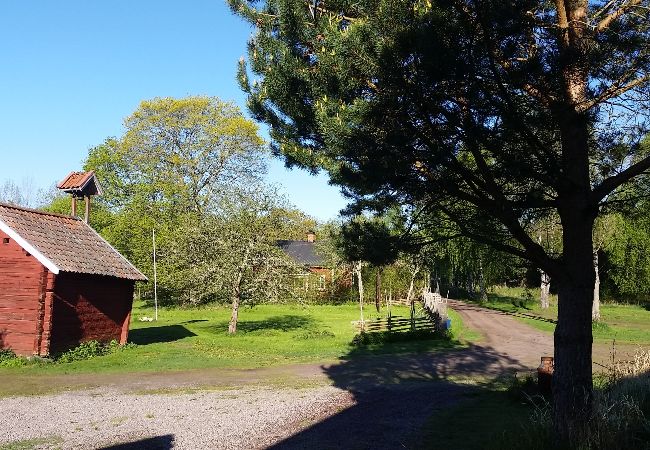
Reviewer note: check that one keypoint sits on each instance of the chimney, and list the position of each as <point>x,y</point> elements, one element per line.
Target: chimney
<point>311,236</point>
<point>80,185</point>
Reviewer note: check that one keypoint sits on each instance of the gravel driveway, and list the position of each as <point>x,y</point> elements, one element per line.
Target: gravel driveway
<point>229,419</point>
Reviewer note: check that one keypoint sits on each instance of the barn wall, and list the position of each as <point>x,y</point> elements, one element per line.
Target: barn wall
<point>21,288</point>
<point>89,307</point>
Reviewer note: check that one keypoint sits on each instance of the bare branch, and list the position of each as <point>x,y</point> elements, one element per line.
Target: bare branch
<point>610,184</point>
<point>614,91</point>
<point>606,22</point>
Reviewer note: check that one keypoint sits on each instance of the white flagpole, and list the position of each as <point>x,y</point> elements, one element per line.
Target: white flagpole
<point>155,276</point>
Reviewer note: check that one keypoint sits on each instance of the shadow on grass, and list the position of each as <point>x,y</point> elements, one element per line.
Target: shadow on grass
<point>499,303</point>
<point>164,442</point>
<point>395,395</point>
<point>287,322</point>
<point>153,335</point>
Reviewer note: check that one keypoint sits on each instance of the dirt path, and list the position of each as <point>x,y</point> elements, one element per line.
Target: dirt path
<point>505,334</point>
<point>389,397</point>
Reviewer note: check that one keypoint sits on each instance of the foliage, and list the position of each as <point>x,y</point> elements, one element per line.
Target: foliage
<point>174,163</point>
<point>231,253</point>
<point>9,359</point>
<point>89,350</point>
<point>628,254</point>
<point>21,194</point>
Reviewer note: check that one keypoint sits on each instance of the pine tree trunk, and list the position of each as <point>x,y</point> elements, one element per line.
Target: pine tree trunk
<point>572,380</point>
<point>378,289</point>
<point>545,290</point>
<point>595,307</point>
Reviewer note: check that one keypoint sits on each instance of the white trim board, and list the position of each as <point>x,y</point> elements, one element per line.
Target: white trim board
<point>29,248</point>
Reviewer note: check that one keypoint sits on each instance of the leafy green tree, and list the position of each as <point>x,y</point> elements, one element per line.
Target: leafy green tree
<point>232,255</point>
<point>628,253</point>
<point>492,112</point>
<point>175,161</point>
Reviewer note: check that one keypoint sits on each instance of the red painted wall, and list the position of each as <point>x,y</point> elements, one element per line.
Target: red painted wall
<point>89,307</point>
<point>21,280</point>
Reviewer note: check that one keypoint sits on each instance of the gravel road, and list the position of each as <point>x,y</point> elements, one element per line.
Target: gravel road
<point>375,402</point>
<point>230,419</point>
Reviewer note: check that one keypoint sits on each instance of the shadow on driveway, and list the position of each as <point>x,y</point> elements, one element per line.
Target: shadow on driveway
<point>394,397</point>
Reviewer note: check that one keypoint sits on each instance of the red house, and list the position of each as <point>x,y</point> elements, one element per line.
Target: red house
<point>61,283</point>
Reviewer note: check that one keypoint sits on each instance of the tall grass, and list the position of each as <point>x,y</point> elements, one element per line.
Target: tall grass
<point>621,415</point>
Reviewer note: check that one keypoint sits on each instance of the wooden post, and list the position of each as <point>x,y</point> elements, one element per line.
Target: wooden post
<point>87,211</point>
<point>73,208</point>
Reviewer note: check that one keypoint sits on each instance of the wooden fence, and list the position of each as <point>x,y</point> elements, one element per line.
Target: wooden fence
<point>394,324</point>
<point>435,304</point>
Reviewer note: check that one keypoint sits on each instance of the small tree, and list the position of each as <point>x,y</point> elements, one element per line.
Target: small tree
<point>232,255</point>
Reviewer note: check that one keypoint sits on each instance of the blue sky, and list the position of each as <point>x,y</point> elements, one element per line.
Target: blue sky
<point>73,70</point>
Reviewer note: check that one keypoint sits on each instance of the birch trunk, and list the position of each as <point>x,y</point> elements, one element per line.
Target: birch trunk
<point>357,271</point>
<point>595,306</point>
<point>378,289</point>
<point>483,294</point>
<point>545,290</point>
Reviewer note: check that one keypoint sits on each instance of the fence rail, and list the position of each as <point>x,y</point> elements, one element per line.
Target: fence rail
<point>394,323</point>
<point>434,307</point>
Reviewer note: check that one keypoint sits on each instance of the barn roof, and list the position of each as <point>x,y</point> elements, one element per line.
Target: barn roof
<point>64,243</point>
<point>302,252</point>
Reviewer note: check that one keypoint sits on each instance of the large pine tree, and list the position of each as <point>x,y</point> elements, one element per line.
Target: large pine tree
<point>494,113</point>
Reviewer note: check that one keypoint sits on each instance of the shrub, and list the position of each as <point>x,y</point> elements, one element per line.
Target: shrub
<point>91,349</point>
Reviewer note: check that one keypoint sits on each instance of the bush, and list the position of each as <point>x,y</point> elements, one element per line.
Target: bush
<point>91,349</point>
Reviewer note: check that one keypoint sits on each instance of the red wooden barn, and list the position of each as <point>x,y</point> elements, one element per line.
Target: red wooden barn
<point>60,283</point>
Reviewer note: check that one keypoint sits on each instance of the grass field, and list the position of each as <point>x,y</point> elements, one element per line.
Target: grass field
<point>627,324</point>
<point>268,335</point>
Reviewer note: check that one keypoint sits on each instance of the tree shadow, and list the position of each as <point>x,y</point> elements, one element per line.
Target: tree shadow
<point>164,442</point>
<point>286,322</point>
<point>154,335</point>
<point>501,310</point>
<point>395,395</point>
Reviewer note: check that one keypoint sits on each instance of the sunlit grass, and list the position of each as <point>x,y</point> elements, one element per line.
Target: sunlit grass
<point>627,324</point>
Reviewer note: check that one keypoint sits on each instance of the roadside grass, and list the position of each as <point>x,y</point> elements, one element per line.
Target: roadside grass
<point>483,419</point>
<point>30,444</point>
<point>267,335</point>
<point>626,324</point>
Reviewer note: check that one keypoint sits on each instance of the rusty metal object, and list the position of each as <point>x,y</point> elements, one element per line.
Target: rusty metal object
<point>545,375</point>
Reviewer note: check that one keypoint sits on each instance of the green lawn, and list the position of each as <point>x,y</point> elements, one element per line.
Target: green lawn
<point>627,324</point>
<point>267,335</point>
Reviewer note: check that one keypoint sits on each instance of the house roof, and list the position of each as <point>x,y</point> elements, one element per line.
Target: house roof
<point>302,252</point>
<point>79,182</point>
<point>64,243</point>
